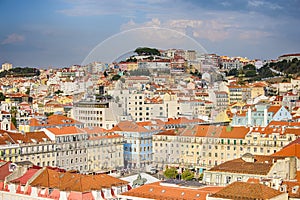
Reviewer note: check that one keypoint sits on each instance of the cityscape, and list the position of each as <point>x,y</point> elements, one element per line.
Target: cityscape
<point>149,112</point>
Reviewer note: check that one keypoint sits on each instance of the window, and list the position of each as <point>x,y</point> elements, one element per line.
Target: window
<point>228,179</point>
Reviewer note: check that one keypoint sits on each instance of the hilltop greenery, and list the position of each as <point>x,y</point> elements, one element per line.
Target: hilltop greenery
<point>287,67</point>
<point>146,51</point>
<point>21,72</point>
<point>250,73</point>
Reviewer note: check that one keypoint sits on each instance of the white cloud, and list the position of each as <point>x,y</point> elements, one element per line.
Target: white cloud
<point>13,38</point>
<point>213,30</point>
<point>253,35</point>
<point>264,4</point>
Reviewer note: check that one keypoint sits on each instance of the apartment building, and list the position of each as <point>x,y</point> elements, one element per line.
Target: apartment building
<point>105,150</point>
<point>195,108</point>
<point>71,152</point>
<point>100,113</point>
<point>251,166</point>
<point>198,147</point>
<point>35,147</point>
<point>138,143</point>
<point>258,89</point>
<point>222,100</point>
<point>239,93</point>
<point>260,115</point>
<point>201,147</point>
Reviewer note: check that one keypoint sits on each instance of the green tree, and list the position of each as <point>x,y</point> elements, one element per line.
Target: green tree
<point>233,72</point>
<point>249,67</point>
<point>201,177</point>
<point>170,172</point>
<point>2,97</point>
<point>49,114</point>
<point>250,73</point>
<point>13,111</point>
<point>14,121</point>
<point>146,51</point>
<point>116,77</point>
<point>27,91</point>
<point>187,175</point>
<point>58,92</point>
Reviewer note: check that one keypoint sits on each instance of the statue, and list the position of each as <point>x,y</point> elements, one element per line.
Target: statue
<point>139,181</point>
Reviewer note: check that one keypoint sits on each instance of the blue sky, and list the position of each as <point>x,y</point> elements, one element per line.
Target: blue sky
<point>63,32</point>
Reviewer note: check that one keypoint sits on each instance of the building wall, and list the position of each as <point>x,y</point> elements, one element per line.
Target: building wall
<point>105,154</point>
<point>71,152</point>
<point>137,149</point>
<point>93,113</point>
<point>41,154</point>
<point>281,168</point>
<point>206,152</point>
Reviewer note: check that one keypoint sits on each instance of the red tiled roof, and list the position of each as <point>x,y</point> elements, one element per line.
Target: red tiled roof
<point>210,131</point>
<point>167,132</point>
<point>129,126</point>
<point>247,191</point>
<point>158,191</point>
<point>53,120</point>
<point>240,166</point>
<point>284,123</point>
<point>4,171</point>
<point>293,188</point>
<point>29,137</point>
<point>65,130</point>
<point>274,109</point>
<point>23,179</point>
<point>289,150</point>
<point>66,181</point>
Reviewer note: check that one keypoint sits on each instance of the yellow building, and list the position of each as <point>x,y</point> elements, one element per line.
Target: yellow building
<point>35,147</point>
<point>257,89</point>
<point>204,146</point>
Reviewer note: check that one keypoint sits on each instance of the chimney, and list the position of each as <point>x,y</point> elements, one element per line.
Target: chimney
<point>265,117</point>
<point>249,116</point>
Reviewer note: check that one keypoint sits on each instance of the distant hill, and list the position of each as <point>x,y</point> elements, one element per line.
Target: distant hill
<point>287,67</point>
<point>21,72</point>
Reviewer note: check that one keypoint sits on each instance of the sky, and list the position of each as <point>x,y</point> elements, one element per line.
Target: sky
<point>60,33</point>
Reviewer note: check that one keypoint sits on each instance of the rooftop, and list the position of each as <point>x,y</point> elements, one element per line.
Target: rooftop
<point>246,191</point>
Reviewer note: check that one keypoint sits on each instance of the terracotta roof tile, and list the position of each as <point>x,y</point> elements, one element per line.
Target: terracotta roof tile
<point>289,150</point>
<point>30,137</point>
<point>23,179</point>
<point>53,120</point>
<point>158,191</point>
<point>65,130</point>
<point>129,126</point>
<point>246,191</point>
<point>67,181</point>
<point>240,166</point>
<point>293,188</point>
<point>4,171</point>
<point>274,109</point>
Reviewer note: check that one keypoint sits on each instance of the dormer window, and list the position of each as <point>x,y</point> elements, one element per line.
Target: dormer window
<point>295,189</point>
<point>283,188</point>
